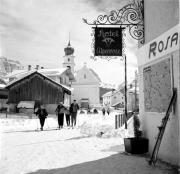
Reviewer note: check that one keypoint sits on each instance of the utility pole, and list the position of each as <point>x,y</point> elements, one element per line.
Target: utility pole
<point>125,91</point>
<point>132,18</point>
<point>135,92</point>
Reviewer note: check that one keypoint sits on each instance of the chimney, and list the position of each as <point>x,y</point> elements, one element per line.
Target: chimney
<point>29,67</point>
<point>37,67</point>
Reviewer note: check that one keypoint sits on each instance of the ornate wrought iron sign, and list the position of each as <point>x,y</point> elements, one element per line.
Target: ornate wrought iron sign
<point>130,17</point>
<point>108,41</point>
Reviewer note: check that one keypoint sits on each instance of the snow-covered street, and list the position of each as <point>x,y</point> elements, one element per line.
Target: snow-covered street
<point>67,151</point>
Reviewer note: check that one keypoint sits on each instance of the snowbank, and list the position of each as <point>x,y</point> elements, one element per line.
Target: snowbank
<point>24,123</point>
<point>104,126</point>
<point>89,124</point>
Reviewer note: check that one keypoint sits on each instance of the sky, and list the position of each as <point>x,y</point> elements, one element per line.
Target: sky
<point>35,32</point>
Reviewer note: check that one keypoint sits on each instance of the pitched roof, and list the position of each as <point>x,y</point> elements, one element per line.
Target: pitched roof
<point>91,71</point>
<point>107,94</point>
<point>111,93</point>
<point>95,74</point>
<point>2,82</point>
<point>47,72</point>
<point>36,72</point>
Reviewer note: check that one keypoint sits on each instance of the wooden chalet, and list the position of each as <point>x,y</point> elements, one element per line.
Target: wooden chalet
<point>3,95</point>
<point>39,88</point>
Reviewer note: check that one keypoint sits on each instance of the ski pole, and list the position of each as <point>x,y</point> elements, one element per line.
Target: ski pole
<point>37,120</point>
<point>47,123</point>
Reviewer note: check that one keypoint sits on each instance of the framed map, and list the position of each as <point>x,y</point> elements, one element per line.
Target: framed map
<point>157,86</point>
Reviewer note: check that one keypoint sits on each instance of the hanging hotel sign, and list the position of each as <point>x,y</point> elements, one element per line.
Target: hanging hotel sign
<point>108,41</point>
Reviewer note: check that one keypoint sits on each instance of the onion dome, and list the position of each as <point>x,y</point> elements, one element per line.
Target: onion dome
<point>69,50</point>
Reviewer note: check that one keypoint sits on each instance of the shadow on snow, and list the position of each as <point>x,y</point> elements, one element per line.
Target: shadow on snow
<point>114,164</point>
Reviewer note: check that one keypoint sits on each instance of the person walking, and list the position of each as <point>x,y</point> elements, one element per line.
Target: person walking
<point>73,109</point>
<point>60,114</point>
<point>108,110</point>
<point>42,115</point>
<point>103,111</point>
<point>67,114</point>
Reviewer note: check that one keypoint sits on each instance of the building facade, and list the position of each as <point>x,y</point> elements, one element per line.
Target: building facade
<point>113,98</point>
<point>159,73</point>
<point>116,99</point>
<point>86,87</point>
<point>38,88</point>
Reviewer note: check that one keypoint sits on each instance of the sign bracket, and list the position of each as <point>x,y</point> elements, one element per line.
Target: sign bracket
<point>130,17</point>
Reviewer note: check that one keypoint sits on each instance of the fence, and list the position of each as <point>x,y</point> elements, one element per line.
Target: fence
<point>120,119</point>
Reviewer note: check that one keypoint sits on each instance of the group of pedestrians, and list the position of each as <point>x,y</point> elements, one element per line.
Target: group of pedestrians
<point>61,110</point>
<point>105,110</point>
<point>70,113</point>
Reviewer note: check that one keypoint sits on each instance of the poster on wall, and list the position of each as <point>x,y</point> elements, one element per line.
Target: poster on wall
<point>157,86</point>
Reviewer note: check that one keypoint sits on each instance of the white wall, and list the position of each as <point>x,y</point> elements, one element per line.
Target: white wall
<point>160,15</point>
<point>85,76</point>
<point>70,62</point>
<point>107,99</point>
<point>86,91</point>
<point>151,120</point>
<point>170,145</point>
<point>86,86</point>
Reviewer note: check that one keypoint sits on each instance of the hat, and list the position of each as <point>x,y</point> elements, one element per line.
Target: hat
<point>42,106</point>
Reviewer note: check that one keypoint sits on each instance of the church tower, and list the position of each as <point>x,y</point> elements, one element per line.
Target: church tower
<point>69,57</point>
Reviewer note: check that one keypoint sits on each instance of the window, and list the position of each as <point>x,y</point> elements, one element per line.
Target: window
<point>84,76</point>
<point>68,59</point>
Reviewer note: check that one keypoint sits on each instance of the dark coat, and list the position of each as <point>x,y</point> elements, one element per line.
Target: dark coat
<point>74,108</point>
<point>60,109</point>
<point>42,113</point>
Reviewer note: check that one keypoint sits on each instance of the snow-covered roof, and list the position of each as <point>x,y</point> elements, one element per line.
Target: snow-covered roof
<point>69,88</point>
<point>95,74</point>
<point>2,85</point>
<point>2,81</point>
<point>16,73</point>
<point>106,85</point>
<point>19,74</point>
<point>20,77</point>
<point>26,104</point>
<point>49,72</point>
<point>107,94</point>
<point>118,103</point>
<point>111,93</point>
<point>30,73</point>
